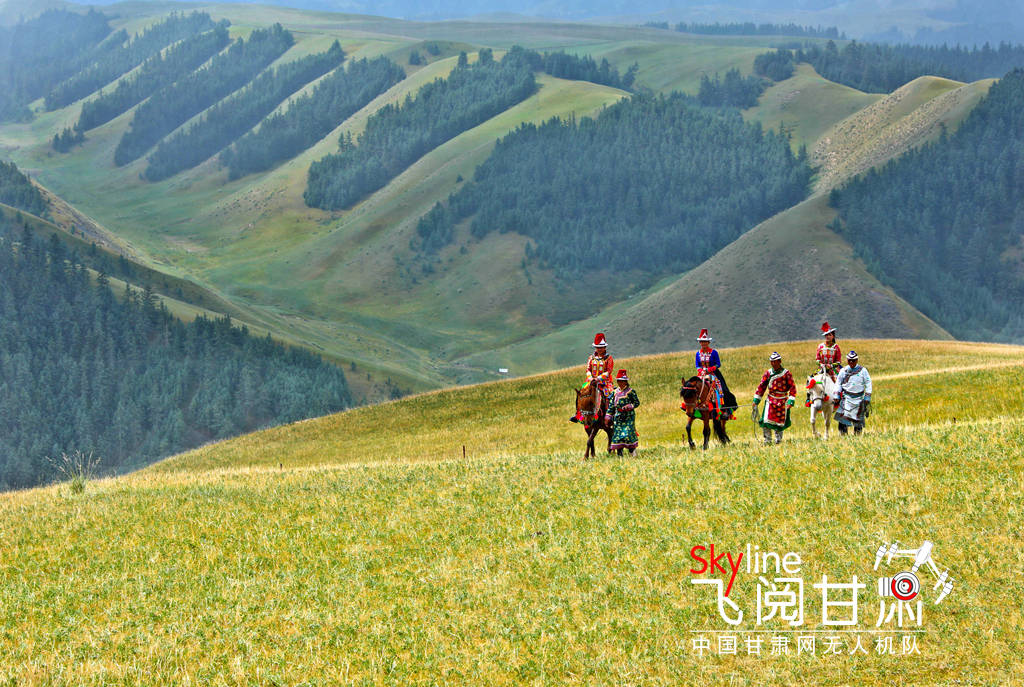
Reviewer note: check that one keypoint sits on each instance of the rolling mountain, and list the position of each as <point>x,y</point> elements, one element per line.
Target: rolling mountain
<point>357,284</point>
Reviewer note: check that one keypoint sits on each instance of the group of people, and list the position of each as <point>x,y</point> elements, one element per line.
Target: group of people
<point>777,389</point>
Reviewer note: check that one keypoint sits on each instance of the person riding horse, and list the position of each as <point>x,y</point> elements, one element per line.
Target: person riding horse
<point>708,362</point>
<point>828,353</point>
<point>600,367</point>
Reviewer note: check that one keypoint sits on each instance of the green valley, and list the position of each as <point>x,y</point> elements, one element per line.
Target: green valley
<point>352,286</point>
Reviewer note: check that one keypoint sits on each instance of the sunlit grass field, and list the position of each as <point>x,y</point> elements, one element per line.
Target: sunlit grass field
<point>362,548</point>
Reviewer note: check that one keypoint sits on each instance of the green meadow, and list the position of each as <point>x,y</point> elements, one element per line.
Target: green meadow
<point>363,548</point>
<point>350,286</point>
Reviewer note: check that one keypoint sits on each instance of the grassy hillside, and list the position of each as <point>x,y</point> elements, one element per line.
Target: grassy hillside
<point>377,554</point>
<point>779,280</point>
<point>786,275</point>
<point>361,297</point>
<point>806,106</point>
<point>349,286</point>
<point>905,119</point>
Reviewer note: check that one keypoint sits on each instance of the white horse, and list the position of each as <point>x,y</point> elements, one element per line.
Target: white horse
<point>823,390</point>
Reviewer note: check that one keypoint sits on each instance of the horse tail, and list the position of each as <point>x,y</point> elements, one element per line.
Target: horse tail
<point>720,431</point>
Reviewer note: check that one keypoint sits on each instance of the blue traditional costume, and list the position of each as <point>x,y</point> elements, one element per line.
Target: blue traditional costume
<point>854,403</point>
<point>708,362</point>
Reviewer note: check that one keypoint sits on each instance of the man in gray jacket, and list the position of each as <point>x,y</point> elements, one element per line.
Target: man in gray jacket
<point>854,403</point>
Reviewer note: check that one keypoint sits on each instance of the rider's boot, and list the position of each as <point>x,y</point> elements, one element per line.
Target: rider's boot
<point>575,418</point>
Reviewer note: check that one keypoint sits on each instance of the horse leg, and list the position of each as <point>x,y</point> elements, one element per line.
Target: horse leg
<point>707,434</point>
<point>689,435</point>
<point>814,418</point>
<point>590,445</point>
<point>828,418</point>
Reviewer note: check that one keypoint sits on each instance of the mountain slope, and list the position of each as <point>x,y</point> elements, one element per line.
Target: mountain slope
<point>782,277</point>
<point>905,119</point>
<point>349,284</point>
<point>777,281</point>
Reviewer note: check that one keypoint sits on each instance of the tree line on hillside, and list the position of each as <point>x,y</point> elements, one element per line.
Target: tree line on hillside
<point>19,192</point>
<point>944,224</point>
<point>398,135</point>
<point>66,139</point>
<point>657,184</point>
<point>742,92</point>
<point>310,117</point>
<point>37,54</point>
<point>83,368</point>
<point>157,72</point>
<point>564,65</point>
<point>777,65</point>
<point>127,56</point>
<point>875,68</point>
<point>732,91</point>
<point>752,29</point>
<point>233,117</point>
<point>173,105</point>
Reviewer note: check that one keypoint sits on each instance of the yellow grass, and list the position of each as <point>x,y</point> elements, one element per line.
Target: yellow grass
<point>378,555</point>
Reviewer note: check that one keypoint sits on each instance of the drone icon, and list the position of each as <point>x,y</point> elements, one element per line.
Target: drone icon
<point>905,585</point>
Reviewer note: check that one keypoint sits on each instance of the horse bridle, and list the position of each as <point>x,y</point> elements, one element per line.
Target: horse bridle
<point>597,404</point>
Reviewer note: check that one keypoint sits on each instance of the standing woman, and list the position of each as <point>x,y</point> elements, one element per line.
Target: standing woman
<point>600,367</point>
<point>709,362</point>
<point>623,408</point>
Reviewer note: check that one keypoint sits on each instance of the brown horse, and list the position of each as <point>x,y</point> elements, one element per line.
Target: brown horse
<point>698,402</point>
<point>593,406</point>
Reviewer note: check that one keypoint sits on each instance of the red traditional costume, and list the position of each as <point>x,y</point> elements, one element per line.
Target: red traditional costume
<point>781,394</point>
<point>829,356</point>
<point>601,367</point>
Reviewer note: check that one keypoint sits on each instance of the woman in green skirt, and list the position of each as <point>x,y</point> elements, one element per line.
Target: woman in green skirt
<point>623,412</point>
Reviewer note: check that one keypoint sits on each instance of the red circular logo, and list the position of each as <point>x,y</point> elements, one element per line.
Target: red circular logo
<point>905,586</point>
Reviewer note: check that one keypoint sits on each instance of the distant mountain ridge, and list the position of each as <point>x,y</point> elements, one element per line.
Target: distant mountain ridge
<point>927,21</point>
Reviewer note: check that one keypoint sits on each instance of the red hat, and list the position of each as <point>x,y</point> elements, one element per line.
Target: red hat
<point>599,340</point>
<point>704,336</point>
<point>622,376</point>
<point>826,330</point>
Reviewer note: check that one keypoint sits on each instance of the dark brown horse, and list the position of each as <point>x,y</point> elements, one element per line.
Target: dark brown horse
<point>592,405</point>
<point>699,403</point>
